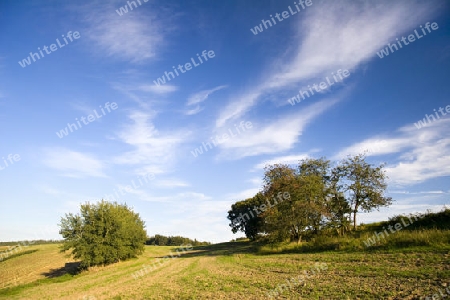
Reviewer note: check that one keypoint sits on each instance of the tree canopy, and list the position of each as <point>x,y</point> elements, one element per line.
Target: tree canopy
<point>103,233</point>
<point>318,198</point>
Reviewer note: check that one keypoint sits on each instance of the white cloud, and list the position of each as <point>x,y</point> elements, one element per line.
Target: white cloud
<point>332,37</point>
<point>278,136</point>
<point>72,163</point>
<point>170,183</point>
<point>236,109</point>
<point>154,151</point>
<point>161,89</point>
<point>374,146</point>
<point>242,195</point>
<point>203,95</point>
<point>423,153</point>
<point>135,37</point>
<point>256,181</point>
<point>288,159</point>
<point>197,98</point>
<point>423,163</point>
<point>416,193</point>
<point>184,198</point>
<point>193,111</point>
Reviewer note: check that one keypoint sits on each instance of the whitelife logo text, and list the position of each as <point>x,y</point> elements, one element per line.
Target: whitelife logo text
<point>27,61</point>
<point>86,120</point>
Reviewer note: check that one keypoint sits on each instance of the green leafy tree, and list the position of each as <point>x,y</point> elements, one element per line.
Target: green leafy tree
<point>365,183</point>
<point>103,233</point>
<point>289,217</point>
<point>244,217</point>
<point>338,212</point>
<point>315,186</point>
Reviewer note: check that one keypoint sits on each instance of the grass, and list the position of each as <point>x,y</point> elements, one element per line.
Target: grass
<point>19,254</point>
<point>402,241</point>
<point>243,270</point>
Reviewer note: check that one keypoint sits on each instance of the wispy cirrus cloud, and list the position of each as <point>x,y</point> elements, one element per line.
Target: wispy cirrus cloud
<point>170,183</point>
<point>203,95</point>
<point>277,136</point>
<point>181,199</point>
<point>423,153</point>
<point>135,37</point>
<point>241,195</point>
<point>197,98</point>
<point>158,89</point>
<point>193,111</point>
<point>72,163</point>
<point>375,146</point>
<point>287,159</point>
<point>318,49</point>
<point>417,193</point>
<point>153,151</point>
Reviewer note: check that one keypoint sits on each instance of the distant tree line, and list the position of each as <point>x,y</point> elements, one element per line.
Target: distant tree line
<point>310,199</point>
<point>161,240</point>
<point>32,242</point>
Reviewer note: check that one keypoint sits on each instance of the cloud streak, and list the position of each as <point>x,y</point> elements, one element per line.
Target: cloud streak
<point>153,151</point>
<point>276,137</point>
<point>203,95</point>
<point>197,98</point>
<point>136,37</point>
<point>320,49</point>
<point>422,154</point>
<point>72,163</point>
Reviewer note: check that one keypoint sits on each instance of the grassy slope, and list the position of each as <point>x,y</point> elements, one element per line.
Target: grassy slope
<point>232,271</point>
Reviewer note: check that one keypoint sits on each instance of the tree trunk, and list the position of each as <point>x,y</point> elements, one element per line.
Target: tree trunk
<point>354,220</point>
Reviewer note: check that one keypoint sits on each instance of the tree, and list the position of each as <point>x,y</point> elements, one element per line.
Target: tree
<point>290,218</point>
<point>365,183</point>
<point>338,211</point>
<point>315,188</point>
<point>244,217</point>
<point>306,210</point>
<point>103,233</point>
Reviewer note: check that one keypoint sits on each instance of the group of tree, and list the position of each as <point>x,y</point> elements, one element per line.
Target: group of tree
<point>311,198</point>
<point>161,240</point>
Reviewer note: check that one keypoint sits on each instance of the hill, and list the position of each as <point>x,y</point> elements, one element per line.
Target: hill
<point>235,270</point>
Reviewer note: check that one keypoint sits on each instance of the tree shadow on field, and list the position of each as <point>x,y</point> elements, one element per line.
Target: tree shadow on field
<point>72,268</point>
<point>222,249</point>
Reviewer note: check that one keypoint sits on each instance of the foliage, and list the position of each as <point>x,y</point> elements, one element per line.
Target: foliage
<point>238,271</point>
<point>161,240</point>
<point>365,183</point>
<point>321,199</point>
<point>244,218</point>
<point>103,233</point>
<point>429,220</point>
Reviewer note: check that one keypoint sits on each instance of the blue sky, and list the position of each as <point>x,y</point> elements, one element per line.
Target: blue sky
<point>147,142</point>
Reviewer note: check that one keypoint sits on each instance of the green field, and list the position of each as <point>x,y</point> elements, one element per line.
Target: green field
<point>235,270</point>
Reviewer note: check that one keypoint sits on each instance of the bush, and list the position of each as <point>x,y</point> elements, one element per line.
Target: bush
<point>103,233</point>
